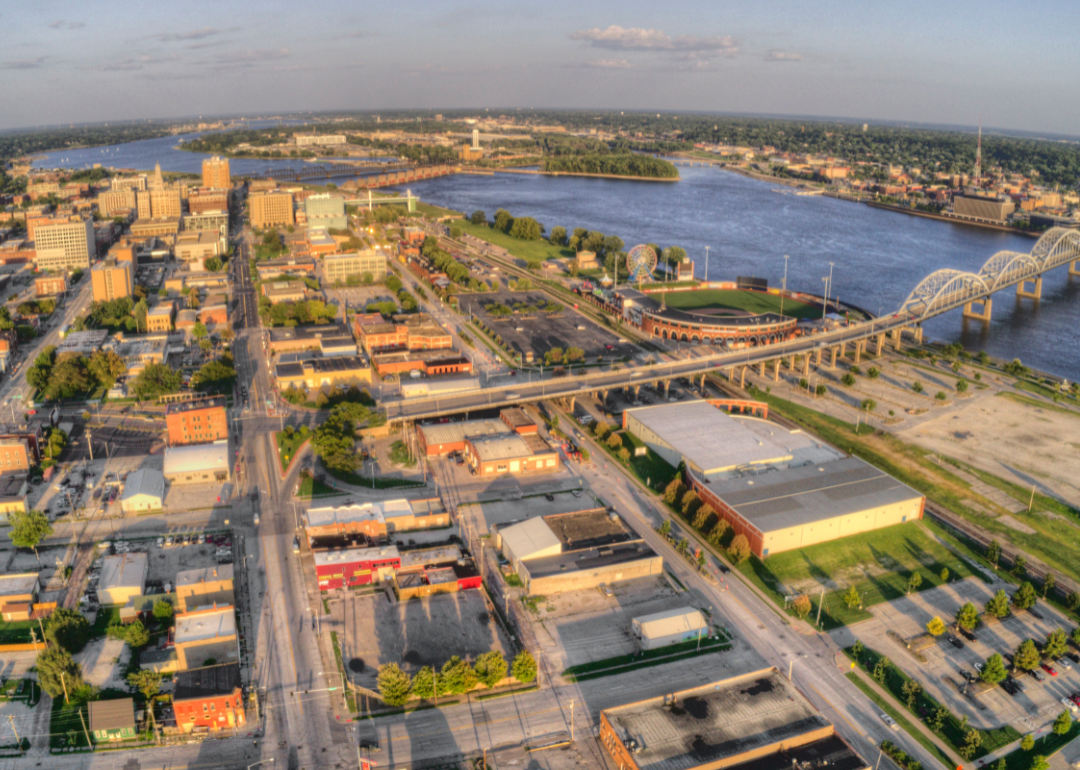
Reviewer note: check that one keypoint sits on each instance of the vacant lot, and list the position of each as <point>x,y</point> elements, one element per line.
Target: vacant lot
<point>420,632</point>
<point>734,299</point>
<point>879,564</point>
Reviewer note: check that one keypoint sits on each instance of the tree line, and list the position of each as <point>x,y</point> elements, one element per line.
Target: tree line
<point>617,165</point>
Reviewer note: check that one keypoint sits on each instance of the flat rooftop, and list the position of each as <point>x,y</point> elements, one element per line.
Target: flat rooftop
<point>205,575</point>
<point>588,529</point>
<point>21,583</point>
<point>195,405</point>
<point>422,557</point>
<point>717,722</point>
<point>588,559</point>
<point>381,553</point>
<point>456,432</point>
<point>123,571</point>
<point>208,682</point>
<point>378,511</point>
<point>309,332</point>
<point>781,498</point>
<point>205,624</point>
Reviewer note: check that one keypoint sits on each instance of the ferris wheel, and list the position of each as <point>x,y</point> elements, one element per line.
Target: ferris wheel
<point>640,263</point>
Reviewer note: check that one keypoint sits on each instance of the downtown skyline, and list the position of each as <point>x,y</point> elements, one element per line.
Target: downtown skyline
<point>923,63</point>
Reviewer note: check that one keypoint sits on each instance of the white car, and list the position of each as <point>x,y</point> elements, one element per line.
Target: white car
<point>1069,705</point>
<point>890,722</point>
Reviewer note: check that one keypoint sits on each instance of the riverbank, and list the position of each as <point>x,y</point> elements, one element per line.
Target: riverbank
<point>536,172</point>
<point>947,218</point>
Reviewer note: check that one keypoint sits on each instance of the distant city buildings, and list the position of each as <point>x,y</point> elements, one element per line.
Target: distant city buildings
<point>112,280</point>
<point>318,140</point>
<point>271,209</point>
<point>339,267</point>
<point>215,173</point>
<point>66,246</point>
<point>325,210</point>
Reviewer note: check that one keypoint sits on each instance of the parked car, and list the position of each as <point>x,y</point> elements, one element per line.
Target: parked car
<point>955,642</point>
<point>1010,686</point>
<point>1048,669</point>
<point>1037,675</point>
<point>890,722</point>
<point>1063,662</point>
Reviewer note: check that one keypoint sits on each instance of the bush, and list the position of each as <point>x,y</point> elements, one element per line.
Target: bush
<point>739,550</point>
<point>848,379</point>
<point>941,395</point>
<point>394,684</point>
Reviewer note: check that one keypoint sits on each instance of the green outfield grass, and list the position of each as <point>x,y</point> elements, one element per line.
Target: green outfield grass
<point>878,563</point>
<point>736,299</point>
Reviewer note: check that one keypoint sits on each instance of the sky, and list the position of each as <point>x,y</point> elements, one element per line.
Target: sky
<point>1012,65</point>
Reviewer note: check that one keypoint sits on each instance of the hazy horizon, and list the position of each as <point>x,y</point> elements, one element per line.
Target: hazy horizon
<point>923,63</point>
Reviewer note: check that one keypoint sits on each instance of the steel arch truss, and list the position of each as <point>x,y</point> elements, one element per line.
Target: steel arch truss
<point>946,289</point>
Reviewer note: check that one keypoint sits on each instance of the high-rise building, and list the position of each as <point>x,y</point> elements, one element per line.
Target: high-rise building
<point>157,204</point>
<point>200,201</point>
<point>476,138</point>
<point>112,280</point>
<point>215,173</point>
<point>325,210</point>
<point>65,246</point>
<point>158,182</point>
<point>115,200</point>
<point>272,209</point>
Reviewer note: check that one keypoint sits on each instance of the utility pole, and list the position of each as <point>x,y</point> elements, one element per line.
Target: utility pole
<point>64,685</point>
<point>85,731</point>
<point>571,720</point>
<point>11,719</point>
<point>821,603</point>
<point>90,446</point>
<point>782,293</point>
<point>706,264</point>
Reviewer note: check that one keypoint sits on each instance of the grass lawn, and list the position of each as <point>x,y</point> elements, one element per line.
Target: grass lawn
<point>311,487</point>
<point>399,455</point>
<point>651,469</point>
<point>878,564</point>
<point>107,615</point>
<point>65,729</point>
<point>1047,746</point>
<point>17,631</point>
<point>707,645</point>
<point>735,299</point>
<point>527,250</point>
<point>379,482</point>
<point>901,720</point>
<point>288,445</point>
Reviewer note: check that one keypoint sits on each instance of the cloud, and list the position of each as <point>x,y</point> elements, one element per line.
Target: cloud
<point>61,24</point>
<point>131,63</point>
<point>24,64</point>
<point>616,38</point>
<point>609,64</point>
<point>195,34</point>
<point>251,58</point>
<point>777,55</point>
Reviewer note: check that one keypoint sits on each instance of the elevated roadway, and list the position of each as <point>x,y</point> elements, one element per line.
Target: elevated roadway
<point>938,293</point>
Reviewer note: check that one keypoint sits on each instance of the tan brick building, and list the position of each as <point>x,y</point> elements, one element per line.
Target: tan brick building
<point>48,285</point>
<point>112,201</point>
<point>112,280</point>
<point>338,267</point>
<point>14,455</point>
<point>158,204</point>
<point>200,201</point>
<point>65,246</point>
<point>215,173</point>
<point>201,587</point>
<point>271,209</point>
<point>197,422</point>
<point>161,317</point>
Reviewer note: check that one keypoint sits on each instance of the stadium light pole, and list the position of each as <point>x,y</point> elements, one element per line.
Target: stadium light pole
<point>782,293</point>
<point>706,264</point>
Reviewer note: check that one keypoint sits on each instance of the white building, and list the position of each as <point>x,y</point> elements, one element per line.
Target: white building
<point>197,463</point>
<point>679,624</point>
<point>144,490</point>
<point>123,576</point>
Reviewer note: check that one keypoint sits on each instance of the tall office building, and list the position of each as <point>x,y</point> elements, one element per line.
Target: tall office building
<point>325,210</point>
<point>272,209</point>
<point>65,246</point>
<point>112,280</point>
<point>115,200</point>
<point>476,138</point>
<point>215,173</point>
<point>158,204</point>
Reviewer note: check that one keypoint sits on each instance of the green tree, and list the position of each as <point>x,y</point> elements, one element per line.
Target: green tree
<point>1057,642</point>
<point>665,528</point>
<point>503,220</point>
<point>558,235</point>
<point>994,670</point>
<point>1019,568</point>
<point>163,610</point>
<point>217,375</point>
<point>105,366</point>
<point>1026,657</point>
<point>917,386</point>
<point>719,532</point>
<point>873,372</point>
<point>56,669</point>
<point>1025,597</point>
<point>972,742</point>
<point>801,605</point>
<point>69,378</point>
<point>457,676</point>
<point>914,581</point>
<point>702,517</point>
<point>478,218</point>
<point>739,550</point>
<point>624,455</point>
<point>1027,743</point>
<point>394,684</point>
<point>993,553</point>
<point>423,684</point>
<point>868,405</point>
<point>937,718</point>
<point>936,626</point>
<point>1063,723</point>
<point>149,684</point>
<point>848,379</point>
<point>491,668</point>
<point>881,670</point>
<point>67,628</point>
<point>523,668</point>
<point>156,380</point>
<point>1049,582</point>
<point>998,605</point>
<point>1039,762</point>
<point>944,575</point>
<point>858,648</point>
<point>912,690</point>
<point>199,332</point>
<point>852,598</point>
<point>139,312</point>
<point>674,491</point>
<point>614,441</point>
<point>967,617</point>
<point>690,503</point>
<point>821,390</point>
<point>961,386</point>
<point>28,528</point>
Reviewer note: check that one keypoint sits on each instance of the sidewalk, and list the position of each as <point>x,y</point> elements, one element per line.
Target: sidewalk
<point>887,696</point>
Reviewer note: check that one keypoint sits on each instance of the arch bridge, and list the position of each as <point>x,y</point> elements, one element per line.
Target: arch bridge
<point>327,170</point>
<point>947,289</point>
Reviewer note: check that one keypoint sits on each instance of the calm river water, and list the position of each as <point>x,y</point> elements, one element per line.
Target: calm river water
<point>878,256</point>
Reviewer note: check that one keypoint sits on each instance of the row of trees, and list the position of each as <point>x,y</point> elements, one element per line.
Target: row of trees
<point>74,375</point>
<point>454,678</point>
<point>334,441</point>
<point>312,311</point>
<point>523,228</point>
<point>617,165</point>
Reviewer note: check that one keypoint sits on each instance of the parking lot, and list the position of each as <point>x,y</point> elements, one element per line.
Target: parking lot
<point>421,632</point>
<point>942,674</point>
<point>539,332</point>
<point>356,298</point>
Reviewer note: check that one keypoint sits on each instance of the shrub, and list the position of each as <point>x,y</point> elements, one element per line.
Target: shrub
<point>848,379</point>
<point>801,603</point>
<point>941,395</point>
<point>739,550</point>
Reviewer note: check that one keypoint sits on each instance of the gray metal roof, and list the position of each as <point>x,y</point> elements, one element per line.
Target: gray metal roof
<point>678,620</point>
<point>196,457</point>
<point>789,497</point>
<point>455,432</point>
<point>145,481</point>
<point>720,721</point>
<point>707,437</point>
<point>112,714</point>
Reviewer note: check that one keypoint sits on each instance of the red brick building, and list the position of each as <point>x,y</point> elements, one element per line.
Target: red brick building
<point>209,699</point>
<point>200,201</point>
<point>197,422</point>
<point>355,566</point>
<point>49,285</point>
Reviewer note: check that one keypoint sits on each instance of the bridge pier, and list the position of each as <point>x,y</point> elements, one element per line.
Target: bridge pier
<point>1072,267</point>
<point>817,358</point>
<point>806,364</point>
<point>898,339</point>
<point>776,370</point>
<point>1035,293</point>
<point>637,392</point>
<point>603,397</point>
<point>918,329</point>
<point>843,350</point>
<point>573,400</point>
<point>703,376</point>
<point>763,365</point>
<point>833,353</point>
<point>742,378</point>
<point>969,311</point>
<point>667,387</point>
<point>880,344</point>
<point>791,363</point>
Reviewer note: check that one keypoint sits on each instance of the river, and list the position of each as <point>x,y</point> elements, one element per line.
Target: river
<point>878,256</point>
